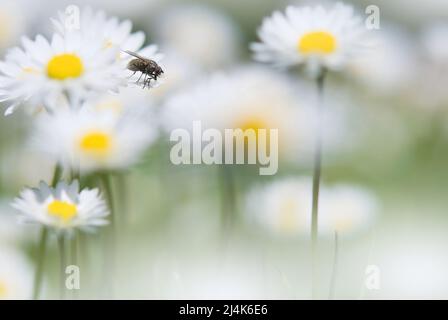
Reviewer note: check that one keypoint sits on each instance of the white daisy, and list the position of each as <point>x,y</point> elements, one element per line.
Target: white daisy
<point>16,275</point>
<point>185,28</point>
<point>42,72</point>
<point>284,207</point>
<point>110,32</point>
<point>95,138</point>
<point>314,36</point>
<point>76,62</point>
<point>63,208</point>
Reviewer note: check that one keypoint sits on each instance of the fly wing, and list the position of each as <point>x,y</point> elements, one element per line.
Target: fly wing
<point>135,55</point>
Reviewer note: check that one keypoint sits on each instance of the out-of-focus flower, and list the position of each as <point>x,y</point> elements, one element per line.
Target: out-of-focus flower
<point>435,44</point>
<point>184,29</point>
<point>12,23</point>
<point>391,66</point>
<point>16,275</point>
<point>284,207</point>
<point>248,98</point>
<point>97,137</point>
<point>347,209</point>
<point>314,36</point>
<point>251,97</point>
<point>63,208</point>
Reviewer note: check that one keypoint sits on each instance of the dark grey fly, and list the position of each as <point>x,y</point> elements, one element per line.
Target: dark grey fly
<point>148,68</point>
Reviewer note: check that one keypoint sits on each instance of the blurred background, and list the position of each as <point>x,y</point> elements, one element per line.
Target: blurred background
<point>206,232</point>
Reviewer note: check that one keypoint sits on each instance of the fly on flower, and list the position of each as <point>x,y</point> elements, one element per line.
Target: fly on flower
<point>149,68</point>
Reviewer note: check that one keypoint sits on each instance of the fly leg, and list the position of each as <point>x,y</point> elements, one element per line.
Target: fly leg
<point>139,78</point>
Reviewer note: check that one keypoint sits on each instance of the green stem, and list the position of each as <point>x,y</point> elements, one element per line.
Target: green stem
<point>57,175</point>
<point>122,197</point>
<point>105,179</point>
<point>42,249</point>
<point>228,199</point>
<point>316,182</point>
<point>111,241</point>
<point>62,264</point>
<point>74,255</point>
<point>335,266</point>
<point>40,263</point>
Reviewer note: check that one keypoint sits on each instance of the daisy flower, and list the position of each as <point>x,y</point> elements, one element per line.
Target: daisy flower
<point>284,207</point>
<point>110,33</point>
<point>42,71</point>
<point>16,275</point>
<point>62,208</point>
<point>76,62</point>
<point>316,37</point>
<point>95,138</point>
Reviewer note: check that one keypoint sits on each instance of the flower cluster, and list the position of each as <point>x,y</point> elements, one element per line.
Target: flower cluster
<point>74,85</point>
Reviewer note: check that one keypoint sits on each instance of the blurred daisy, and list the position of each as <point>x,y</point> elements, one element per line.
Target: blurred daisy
<point>63,208</point>
<point>347,209</point>
<point>314,36</point>
<point>252,97</point>
<point>16,275</point>
<point>42,72</point>
<point>95,138</point>
<point>284,207</point>
<point>185,28</point>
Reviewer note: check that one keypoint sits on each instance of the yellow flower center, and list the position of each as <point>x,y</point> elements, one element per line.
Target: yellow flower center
<point>96,143</point>
<point>256,124</point>
<point>319,42</point>
<point>65,66</point>
<point>62,210</point>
